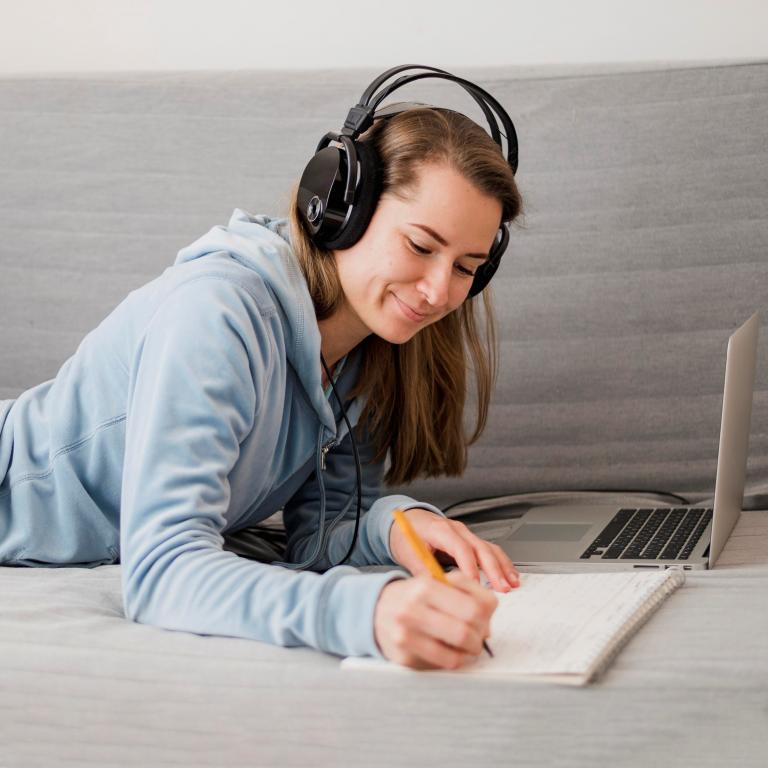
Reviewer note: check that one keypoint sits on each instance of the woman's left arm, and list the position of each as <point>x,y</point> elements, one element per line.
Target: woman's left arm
<point>380,542</point>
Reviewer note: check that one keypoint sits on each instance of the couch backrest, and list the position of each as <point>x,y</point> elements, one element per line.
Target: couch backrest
<point>643,246</point>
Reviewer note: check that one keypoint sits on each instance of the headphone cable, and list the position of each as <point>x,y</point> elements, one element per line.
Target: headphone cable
<point>358,472</point>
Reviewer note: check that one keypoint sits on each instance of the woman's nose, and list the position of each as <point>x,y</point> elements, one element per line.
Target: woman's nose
<point>435,284</point>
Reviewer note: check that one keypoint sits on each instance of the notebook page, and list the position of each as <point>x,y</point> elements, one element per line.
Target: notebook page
<point>558,624</point>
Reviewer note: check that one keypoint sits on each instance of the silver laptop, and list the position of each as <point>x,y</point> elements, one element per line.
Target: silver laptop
<point>608,538</point>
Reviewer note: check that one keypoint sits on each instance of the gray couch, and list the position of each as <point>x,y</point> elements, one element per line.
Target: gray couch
<point>643,247</point>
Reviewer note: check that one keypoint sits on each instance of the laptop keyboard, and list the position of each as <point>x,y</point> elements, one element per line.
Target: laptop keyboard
<point>650,534</point>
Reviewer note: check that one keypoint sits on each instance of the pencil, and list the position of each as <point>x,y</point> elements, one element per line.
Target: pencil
<point>425,555</point>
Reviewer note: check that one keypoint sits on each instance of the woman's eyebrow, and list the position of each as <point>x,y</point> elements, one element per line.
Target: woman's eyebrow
<point>440,239</point>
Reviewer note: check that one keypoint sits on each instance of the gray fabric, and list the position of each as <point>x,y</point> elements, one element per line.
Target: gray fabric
<point>643,246</point>
<point>79,685</point>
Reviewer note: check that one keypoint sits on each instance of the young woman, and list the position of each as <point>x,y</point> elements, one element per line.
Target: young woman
<point>201,405</point>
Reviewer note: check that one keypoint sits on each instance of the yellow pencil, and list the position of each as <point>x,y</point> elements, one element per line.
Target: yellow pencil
<point>424,553</point>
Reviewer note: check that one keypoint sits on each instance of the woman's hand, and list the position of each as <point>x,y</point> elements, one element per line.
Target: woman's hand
<point>425,624</point>
<point>453,543</point>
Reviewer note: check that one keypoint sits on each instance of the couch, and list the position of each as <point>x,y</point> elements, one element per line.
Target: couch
<point>643,246</point>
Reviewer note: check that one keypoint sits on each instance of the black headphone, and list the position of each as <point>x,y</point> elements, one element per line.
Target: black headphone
<point>341,184</point>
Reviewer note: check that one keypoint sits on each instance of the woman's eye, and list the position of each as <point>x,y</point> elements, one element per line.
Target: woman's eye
<point>417,248</point>
<point>424,251</point>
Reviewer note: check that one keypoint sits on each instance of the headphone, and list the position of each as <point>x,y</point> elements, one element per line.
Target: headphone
<point>338,193</point>
<point>341,184</point>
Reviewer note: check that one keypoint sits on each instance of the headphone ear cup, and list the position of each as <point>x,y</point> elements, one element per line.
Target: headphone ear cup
<point>484,273</point>
<point>320,199</point>
<point>367,196</point>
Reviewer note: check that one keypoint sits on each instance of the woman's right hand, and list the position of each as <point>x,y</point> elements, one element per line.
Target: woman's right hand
<point>425,624</point>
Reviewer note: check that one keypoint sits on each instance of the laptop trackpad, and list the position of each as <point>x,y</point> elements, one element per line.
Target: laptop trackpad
<point>550,532</point>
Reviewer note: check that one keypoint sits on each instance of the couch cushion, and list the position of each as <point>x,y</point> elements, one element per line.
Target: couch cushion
<point>643,246</point>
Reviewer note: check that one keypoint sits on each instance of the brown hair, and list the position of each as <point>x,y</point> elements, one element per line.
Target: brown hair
<point>416,391</point>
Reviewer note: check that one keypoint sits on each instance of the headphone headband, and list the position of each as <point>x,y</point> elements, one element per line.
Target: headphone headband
<point>361,116</point>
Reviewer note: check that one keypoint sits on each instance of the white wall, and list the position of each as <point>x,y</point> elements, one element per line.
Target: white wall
<point>59,36</point>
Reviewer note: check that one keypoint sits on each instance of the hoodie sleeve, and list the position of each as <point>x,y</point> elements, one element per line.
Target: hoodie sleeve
<point>196,386</point>
<point>301,514</point>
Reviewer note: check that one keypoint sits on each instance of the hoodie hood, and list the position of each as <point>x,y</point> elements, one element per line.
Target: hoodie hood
<point>262,243</point>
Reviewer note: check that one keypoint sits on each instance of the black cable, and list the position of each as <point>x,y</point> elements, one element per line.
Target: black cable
<point>357,461</point>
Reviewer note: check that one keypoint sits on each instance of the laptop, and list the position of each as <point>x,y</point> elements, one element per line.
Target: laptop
<point>651,537</point>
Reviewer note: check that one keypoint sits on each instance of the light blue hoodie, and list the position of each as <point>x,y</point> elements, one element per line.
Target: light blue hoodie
<point>193,409</point>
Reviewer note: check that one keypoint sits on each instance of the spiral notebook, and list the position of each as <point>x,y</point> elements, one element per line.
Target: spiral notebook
<point>558,628</point>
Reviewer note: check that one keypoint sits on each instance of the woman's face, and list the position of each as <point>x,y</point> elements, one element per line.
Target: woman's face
<point>392,288</point>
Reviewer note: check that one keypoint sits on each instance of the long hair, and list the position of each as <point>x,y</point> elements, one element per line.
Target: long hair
<point>416,391</point>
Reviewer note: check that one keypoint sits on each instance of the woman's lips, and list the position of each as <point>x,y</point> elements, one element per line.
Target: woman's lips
<point>411,314</point>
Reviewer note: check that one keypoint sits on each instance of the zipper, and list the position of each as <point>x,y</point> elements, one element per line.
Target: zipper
<point>324,450</point>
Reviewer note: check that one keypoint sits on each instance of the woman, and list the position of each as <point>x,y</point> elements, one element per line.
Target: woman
<point>197,407</point>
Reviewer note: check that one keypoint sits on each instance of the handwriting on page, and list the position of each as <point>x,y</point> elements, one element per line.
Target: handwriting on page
<point>554,622</point>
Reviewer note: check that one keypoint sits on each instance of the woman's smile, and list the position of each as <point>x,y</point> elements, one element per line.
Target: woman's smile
<point>411,314</point>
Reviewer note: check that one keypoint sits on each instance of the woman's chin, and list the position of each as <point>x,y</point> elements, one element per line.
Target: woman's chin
<point>395,335</point>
